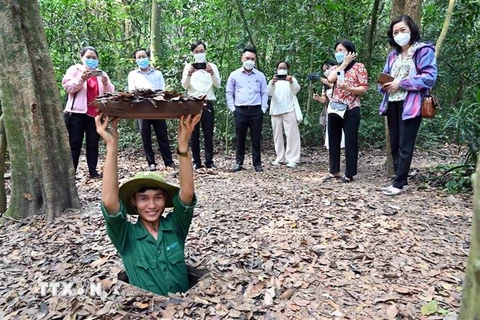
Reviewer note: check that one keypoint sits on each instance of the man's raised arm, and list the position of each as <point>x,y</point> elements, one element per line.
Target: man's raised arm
<point>110,198</point>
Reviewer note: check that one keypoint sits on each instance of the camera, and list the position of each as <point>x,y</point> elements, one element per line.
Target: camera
<point>199,65</point>
<point>281,77</point>
<point>96,73</point>
<point>314,77</point>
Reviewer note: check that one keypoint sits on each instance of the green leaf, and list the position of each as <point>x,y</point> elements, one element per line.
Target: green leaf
<point>443,312</point>
<point>429,308</point>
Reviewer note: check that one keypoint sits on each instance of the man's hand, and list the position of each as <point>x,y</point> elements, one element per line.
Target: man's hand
<point>209,69</point>
<point>110,135</point>
<point>191,70</point>
<point>185,128</point>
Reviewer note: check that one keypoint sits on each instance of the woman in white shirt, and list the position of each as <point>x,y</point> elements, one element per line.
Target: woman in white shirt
<point>286,115</point>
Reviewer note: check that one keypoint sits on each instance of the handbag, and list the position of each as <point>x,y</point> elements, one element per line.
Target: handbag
<point>297,109</point>
<point>430,104</point>
<point>336,108</point>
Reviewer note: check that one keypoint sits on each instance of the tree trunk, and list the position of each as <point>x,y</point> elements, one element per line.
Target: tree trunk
<point>247,29</point>
<point>156,31</point>
<point>470,309</point>
<point>43,178</point>
<point>446,24</point>
<point>3,153</point>
<point>371,33</point>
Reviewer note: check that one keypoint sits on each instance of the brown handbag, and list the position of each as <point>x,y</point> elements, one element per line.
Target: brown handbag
<point>430,104</point>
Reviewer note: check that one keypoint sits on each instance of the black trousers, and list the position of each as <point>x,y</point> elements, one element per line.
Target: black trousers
<point>248,118</point>
<point>207,122</point>
<point>78,125</point>
<point>350,124</point>
<point>160,127</point>
<point>403,134</point>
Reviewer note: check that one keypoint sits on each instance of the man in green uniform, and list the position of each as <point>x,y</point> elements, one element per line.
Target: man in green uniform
<point>152,249</point>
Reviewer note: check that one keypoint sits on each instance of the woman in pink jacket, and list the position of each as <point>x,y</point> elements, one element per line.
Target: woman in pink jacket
<point>84,82</point>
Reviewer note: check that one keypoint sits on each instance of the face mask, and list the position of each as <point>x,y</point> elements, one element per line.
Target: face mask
<point>402,39</point>
<point>143,63</point>
<point>327,72</point>
<point>200,57</point>
<point>339,56</point>
<point>90,63</point>
<point>248,64</point>
<point>282,72</point>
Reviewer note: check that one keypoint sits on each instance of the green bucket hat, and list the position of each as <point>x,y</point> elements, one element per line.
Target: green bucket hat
<point>142,180</point>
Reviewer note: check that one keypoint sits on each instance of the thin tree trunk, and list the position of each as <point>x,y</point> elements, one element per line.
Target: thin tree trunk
<point>247,28</point>
<point>446,24</point>
<point>43,178</point>
<point>156,31</point>
<point>3,153</point>
<point>310,85</point>
<point>470,309</point>
<point>371,32</point>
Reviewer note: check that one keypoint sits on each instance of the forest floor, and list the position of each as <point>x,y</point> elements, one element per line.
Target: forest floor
<point>281,244</point>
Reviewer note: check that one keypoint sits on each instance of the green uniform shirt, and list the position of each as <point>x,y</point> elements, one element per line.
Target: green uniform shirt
<point>154,265</point>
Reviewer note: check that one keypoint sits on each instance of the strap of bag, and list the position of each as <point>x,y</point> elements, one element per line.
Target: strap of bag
<point>73,102</point>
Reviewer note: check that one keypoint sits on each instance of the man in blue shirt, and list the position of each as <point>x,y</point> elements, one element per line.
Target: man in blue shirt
<point>247,98</point>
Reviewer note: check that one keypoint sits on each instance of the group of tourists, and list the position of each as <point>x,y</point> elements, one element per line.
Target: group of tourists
<point>153,248</point>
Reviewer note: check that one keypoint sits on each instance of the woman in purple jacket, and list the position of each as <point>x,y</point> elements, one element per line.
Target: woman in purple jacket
<point>413,66</point>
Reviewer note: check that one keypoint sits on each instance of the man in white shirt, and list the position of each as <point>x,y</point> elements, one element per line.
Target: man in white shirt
<point>200,79</point>
<point>146,77</point>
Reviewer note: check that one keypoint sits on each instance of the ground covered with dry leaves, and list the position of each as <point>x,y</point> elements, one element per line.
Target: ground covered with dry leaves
<point>281,244</point>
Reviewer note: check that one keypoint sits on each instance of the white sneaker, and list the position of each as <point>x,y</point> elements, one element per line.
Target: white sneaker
<point>292,165</point>
<point>152,167</point>
<point>275,163</point>
<point>405,187</point>
<point>393,191</point>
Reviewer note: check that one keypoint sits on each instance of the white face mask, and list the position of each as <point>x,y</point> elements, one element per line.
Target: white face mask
<point>327,72</point>
<point>200,57</point>
<point>402,38</point>
<point>282,72</point>
<point>248,64</point>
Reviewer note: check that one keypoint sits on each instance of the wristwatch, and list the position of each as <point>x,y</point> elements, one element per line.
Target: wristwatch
<point>182,154</point>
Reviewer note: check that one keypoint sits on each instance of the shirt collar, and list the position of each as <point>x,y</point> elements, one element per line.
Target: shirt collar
<point>149,71</point>
<point>142,233</point>
<point>248,73</point>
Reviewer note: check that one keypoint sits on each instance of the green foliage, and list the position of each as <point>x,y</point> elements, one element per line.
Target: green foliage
<point>464,124</point>
<point>301,32</point>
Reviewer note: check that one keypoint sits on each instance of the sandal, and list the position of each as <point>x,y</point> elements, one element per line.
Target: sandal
<point>346,179</point>
<point>330,177</point>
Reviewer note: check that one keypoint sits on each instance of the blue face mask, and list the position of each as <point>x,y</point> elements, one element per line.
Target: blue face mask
<point>143,63</point>
<point>90,63</point>
<point>339,56</point>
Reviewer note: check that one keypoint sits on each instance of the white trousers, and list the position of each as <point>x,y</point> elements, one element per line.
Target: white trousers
<point>342,144</point>
<point>287,123</point>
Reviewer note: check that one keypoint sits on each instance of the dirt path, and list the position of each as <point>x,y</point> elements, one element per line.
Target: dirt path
<point>280,244</point>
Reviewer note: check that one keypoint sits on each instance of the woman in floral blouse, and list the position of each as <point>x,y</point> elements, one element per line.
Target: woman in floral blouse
<point>350,82</point>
